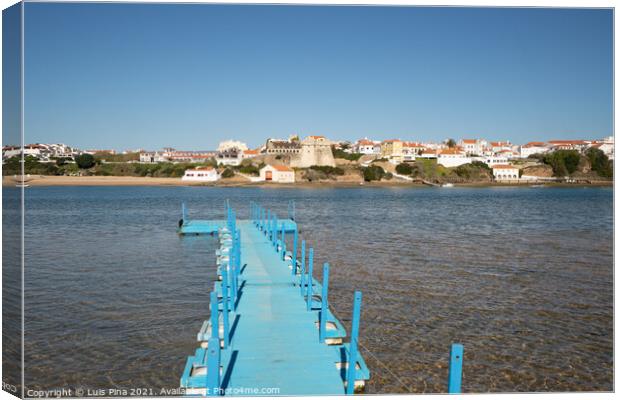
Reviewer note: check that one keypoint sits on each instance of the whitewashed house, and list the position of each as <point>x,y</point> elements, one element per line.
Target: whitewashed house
<point>533,148</point>
<point>495,160</point>
<point>473,146</point>
<point>505,173</point>
<point>277,173</point>
<point>452,158</point>
<point>201,174</point>
<point>366,146</point>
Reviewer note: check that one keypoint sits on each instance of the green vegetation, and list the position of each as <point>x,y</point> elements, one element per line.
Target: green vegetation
<point>85,161</point>
<point>32,166</point>
<point>322,172</point>
<point>600,163</point>
<point>228,173</point>
<point>475,171</point>
<point>563,162</point>
<point>248,170</point>
<point>326,169</point>
<point>380,160</point>
<point>404,169</point>
<point>339,153</point>
<point>116,157</point>
<point>450,143</point>
<point>373,173</point>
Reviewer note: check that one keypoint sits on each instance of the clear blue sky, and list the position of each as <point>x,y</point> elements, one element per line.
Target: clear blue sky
<point>188,76</point>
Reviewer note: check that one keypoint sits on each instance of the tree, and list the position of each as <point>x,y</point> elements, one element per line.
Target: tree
<point>563,162</point>
<point>450,143</point>
<point>599,162</point>
<point>85,161</point>
<point>228,173</point>
<point>404,169</point>
<point>373,173</point>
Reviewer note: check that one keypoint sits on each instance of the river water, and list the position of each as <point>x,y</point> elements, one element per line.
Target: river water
<point>522,277</point>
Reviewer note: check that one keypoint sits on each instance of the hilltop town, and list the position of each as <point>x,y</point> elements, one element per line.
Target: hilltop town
<point>318,159</point>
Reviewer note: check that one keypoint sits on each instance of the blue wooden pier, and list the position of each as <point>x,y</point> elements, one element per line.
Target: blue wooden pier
<point>271,330</point>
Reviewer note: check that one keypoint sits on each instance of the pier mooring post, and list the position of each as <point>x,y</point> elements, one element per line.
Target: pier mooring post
<point>323,320</point>
<point>213,368</point>
<point>291,210</point>
<point>455,371</point>
<point>355,327</point>
<point>309,283</point>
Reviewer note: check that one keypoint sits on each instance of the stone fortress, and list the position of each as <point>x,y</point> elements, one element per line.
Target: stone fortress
<point>313,150</point>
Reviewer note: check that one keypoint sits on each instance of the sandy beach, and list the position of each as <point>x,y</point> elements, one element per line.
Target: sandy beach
<point>50,180</point>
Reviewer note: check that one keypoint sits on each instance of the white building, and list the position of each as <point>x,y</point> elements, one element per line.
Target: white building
<point>428,153</point>
<point>152,157</point>
<point>365,146</point>
<point>231,144</point>
<point>452,158</point>
<point>533,148</point>
<point>277,173</point>
<point>505,173</point>
<point>411,150</point>
<point>495,160</point>
<point>473,146</point>
<point>201,174</point>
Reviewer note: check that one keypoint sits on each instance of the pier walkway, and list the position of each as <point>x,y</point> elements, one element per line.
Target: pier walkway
<point>278,336</point>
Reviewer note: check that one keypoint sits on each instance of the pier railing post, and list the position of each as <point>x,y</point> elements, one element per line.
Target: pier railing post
<point>268,224</point>
<point>213,368</point>
<point>355,327</point>
<point>184,213</point>
<point>309,292</point>
<point>283,244</point>
<point>274,231</point>
<point>215,329</point>
<point>302,270</point>
<point>455,370</point>
<point>324,304</point>
<point>225,308</point>
<point>294,257</point>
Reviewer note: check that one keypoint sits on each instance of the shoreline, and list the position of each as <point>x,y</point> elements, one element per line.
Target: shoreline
<point>49,180</point>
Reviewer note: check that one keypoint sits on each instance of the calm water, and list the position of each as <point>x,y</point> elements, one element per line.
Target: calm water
<point>523,277</point>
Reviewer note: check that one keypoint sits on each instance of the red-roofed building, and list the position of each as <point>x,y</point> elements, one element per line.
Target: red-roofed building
<point>473,146</point>
<point>277,173</point>
<point>366,146</point>
<point>505,173</point>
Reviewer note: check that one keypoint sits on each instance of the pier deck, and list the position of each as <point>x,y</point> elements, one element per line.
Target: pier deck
<point>274,336</point>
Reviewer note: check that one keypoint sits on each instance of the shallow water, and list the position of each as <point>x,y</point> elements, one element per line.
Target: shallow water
<point>523,277</point>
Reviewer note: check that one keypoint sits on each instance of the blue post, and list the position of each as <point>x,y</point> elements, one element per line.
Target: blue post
<point>294,257</point>
<point>274,234</point>
<point>214,317</point>
<point>302,271</point>
<point>184,213</point>
<point>213,368</point>
<point>323,320</point>
<point>283,247</point>
<point>355,327</point>
<point>310,285</point>
<point>268,223</point>
<point>455,372</point>
<point>225,308</point>
<point>274,227</point>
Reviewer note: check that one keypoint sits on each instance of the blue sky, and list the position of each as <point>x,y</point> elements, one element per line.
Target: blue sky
<point>188,76</point>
